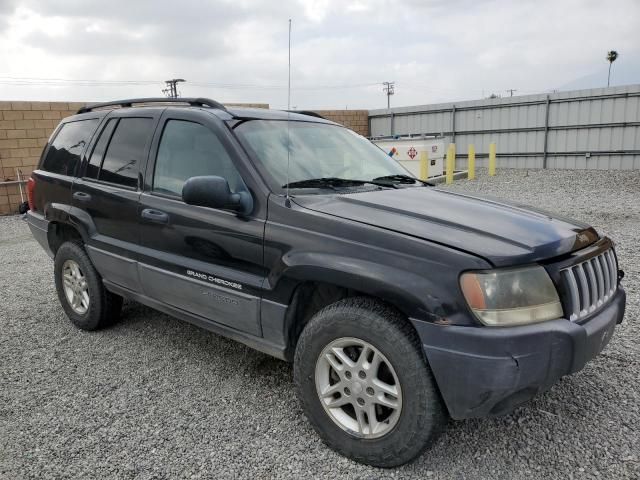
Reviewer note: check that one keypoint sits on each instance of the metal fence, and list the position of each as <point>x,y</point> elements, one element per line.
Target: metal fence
<point>595,129</point>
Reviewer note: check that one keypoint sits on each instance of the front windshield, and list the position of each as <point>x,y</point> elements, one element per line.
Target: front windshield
<point>317,151</point>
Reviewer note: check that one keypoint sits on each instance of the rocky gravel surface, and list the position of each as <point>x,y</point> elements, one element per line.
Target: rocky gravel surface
<point>153,397</point>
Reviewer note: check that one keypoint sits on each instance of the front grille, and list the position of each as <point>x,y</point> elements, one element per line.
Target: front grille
<point>591,284</point>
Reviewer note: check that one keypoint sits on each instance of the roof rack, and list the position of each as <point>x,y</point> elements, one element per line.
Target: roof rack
<point>306,112</point>
<point>194,102</point>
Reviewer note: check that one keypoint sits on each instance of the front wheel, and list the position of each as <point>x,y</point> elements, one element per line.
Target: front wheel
<point>365,385</point>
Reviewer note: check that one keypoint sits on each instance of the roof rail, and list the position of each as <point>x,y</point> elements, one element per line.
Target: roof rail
<point>307,112</point>
<point>194,102</point>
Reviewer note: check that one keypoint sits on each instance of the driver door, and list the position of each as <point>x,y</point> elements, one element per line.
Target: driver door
<point>205,261</point>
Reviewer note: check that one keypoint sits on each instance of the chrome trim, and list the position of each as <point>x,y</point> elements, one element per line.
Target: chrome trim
<point>599,277</point>
<point>591,284</point>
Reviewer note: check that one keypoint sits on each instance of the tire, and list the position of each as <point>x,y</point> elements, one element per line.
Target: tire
<point>99,308</point>
<point>418,416</point>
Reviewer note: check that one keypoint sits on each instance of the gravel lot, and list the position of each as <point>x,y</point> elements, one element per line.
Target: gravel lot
<point>153,397</point>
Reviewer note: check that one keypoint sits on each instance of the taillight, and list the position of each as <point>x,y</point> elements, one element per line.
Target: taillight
<point>31,194</point>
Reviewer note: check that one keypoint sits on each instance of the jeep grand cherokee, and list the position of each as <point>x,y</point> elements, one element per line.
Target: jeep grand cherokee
<point>400,304</point>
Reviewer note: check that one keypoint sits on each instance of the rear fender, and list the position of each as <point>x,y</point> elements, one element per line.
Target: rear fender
<point>83,222</point>
<point>56,212</point>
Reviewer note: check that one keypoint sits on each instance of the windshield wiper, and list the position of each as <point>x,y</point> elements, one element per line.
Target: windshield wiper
<point>399,178</point>
<point>389,181</point>
<point>333,183</point>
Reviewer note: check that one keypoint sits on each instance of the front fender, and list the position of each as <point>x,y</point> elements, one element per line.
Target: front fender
<point>418,277</point>
<point>413,294</point>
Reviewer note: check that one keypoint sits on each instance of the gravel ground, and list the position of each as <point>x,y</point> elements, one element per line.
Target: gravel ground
<point>153,397</point>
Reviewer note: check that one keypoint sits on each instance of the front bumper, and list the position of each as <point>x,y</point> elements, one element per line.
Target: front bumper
<point>489,371</point>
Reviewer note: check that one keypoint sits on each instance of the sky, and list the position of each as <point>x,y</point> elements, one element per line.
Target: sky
<point>342,50</point>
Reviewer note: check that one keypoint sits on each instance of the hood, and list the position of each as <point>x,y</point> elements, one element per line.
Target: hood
<point>501,232</point>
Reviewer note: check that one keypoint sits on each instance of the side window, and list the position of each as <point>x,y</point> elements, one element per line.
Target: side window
<point>125,151</point>
<point>64,152</point>
<point>93,167</point>
<point>186,150</point>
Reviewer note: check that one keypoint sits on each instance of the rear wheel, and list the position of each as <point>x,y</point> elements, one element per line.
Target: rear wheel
<point>84,299</point>
<point>365,384</point>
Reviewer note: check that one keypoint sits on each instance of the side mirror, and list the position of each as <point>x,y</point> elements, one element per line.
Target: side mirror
<point>214,192</point>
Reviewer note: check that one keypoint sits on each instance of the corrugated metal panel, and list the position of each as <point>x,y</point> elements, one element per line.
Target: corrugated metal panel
<point>597,128</point>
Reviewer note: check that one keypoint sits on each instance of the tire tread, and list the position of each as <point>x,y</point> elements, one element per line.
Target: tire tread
<point>109,305</point>
<point>375,314</point>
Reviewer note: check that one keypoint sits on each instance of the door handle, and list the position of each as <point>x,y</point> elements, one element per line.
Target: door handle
<point>155,216</point>
<point>82,197</point>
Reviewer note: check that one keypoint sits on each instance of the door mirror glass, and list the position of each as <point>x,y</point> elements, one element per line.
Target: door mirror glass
<point>214,192</point>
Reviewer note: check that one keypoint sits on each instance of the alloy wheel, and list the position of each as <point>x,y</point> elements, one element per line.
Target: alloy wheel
<point>76,287</point>
<point>358,388</point>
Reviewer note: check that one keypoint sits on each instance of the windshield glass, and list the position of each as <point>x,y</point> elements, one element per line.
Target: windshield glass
<point>317,151</point>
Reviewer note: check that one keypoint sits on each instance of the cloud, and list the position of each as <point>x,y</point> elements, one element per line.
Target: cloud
<point>236,50</point>
<point>110,40</point>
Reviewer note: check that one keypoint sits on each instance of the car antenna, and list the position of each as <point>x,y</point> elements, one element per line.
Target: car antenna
<point>287,200</point>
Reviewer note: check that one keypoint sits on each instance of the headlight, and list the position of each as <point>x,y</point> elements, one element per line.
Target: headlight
<point>512,296</point>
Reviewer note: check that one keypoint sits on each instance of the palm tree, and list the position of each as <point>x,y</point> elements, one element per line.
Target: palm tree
<point>611,57</point>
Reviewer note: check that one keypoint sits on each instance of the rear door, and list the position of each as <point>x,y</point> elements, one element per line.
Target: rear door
<point>60,163</point>
<point>105,197</point>
<point>202,260</point>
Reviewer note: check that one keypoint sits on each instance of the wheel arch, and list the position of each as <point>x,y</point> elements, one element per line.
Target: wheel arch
<point>60,232</point>
<point>328,280</point>
<point>67,223</point>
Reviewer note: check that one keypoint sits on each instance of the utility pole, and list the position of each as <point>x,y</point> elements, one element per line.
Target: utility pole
<point>511,90</point>
<point>389,89</point>
<point>172,87</point>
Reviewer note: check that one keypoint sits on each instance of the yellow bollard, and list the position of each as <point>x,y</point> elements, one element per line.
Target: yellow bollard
<point>492,159</point>
<point>424,166</point>
<point>451,161</point>
<point>472,162</point>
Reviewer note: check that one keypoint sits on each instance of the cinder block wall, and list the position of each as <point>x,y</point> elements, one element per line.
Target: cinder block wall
<point>24,130</point>
<point>26,126</point>
<point>356,120</point>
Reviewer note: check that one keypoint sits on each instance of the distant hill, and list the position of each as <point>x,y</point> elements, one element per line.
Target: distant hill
<point>625,71</point>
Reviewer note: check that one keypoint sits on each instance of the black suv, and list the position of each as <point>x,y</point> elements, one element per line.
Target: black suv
<point>400,304</point>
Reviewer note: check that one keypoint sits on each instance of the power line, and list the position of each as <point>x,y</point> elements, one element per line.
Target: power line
<point>388,87</point>
<point>36,81</point>
<point>39,81</point>
<point>282,87</point>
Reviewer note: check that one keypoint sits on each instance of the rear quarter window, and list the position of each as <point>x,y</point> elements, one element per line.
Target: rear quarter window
<point>64,151</point>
